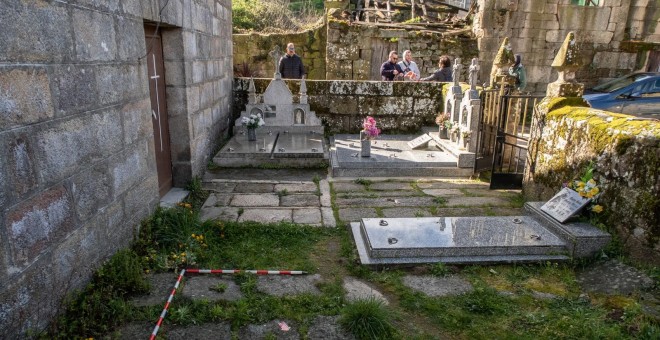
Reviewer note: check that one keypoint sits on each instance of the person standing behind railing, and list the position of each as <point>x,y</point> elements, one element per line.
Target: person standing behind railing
<point>409,67</point>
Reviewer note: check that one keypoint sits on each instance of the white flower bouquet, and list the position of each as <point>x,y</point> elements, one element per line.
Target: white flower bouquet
<point>253,121</point>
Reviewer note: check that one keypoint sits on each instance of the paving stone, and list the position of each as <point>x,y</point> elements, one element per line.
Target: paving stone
<point>355,214</point>
<point>544,296</point>
<point>406,212</point>
<point>443,192</point>
<point>452,184</point>
<point>328,217</point>
<point>269,330</point>
<point>219,213</point>
<point>281,285</point>
<point>613,277</point>
<point>133,330</point>
<point>307,216</point>
<point>347,186</point>
<point>217,200</point>
<point>477,201</point>
<point>324,188</point>
<point>300,201</point>
<point>205,331</point>
<point>224,187</point>
<point>478,211</point>
<point>266,215</point>
<point>200,287</point>
<point>358,290</point>
<point>328,328</point>
<point>413,201</point>
<point>391,186</point>
<point>255,200</point>
<point>254,187</point>
<point>437,286</point>
<point>161,287</point>
<point>485,192</point>
<point>301,187</point>
<point>379,194</point>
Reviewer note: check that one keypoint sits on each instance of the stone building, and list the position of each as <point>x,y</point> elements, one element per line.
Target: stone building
<point>89,92</point>
<point>615,37</point>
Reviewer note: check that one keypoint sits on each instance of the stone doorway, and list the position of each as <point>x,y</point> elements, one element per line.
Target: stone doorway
<point>159,116</point>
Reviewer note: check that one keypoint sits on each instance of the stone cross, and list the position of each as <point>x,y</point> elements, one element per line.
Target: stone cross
<point>456,71</point>
<point>276,54</point>
<point>474,69</point>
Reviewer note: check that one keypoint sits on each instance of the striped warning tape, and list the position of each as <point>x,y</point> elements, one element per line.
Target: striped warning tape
<point>167,305</point>
<point>214,271</point>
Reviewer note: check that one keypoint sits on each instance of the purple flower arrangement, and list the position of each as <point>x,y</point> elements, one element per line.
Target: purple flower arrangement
<point>369,128</point>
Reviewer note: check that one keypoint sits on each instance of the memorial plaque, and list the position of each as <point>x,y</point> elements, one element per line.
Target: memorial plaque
<point>564,204</point>
<point>419,142</point>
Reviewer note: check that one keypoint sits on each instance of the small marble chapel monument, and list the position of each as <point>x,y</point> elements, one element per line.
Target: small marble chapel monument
<point>292,135</point>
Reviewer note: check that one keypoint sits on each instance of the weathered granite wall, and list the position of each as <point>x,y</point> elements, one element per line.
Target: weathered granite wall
<point>614,38</point>
<point>342,104</point>
<point>253,49</point>
<point>77,167</point>
<point>566,136</point>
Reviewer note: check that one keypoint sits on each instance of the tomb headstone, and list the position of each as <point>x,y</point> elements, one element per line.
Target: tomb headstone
<point>565,204</point>
<point>419,142</point>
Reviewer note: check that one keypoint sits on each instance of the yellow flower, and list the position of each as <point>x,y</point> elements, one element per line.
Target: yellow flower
<point>597,208</point>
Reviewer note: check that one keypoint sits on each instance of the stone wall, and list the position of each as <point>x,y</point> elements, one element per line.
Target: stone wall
<point>77,167</point>
<point>614,38</point>
<point>253,49</point>
<point>342,104</point>
<point>626,154</point>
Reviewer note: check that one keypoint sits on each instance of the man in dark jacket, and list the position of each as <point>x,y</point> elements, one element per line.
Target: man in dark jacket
<point>390,68</point>
<point>443,73</point>
<point>291,66</point>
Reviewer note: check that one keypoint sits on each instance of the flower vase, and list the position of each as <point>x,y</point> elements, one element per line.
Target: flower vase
<point>365,145</point>
<point>452,136</point>
<point>442,133</point>
<point>465,142</point>
<point>252,134</point>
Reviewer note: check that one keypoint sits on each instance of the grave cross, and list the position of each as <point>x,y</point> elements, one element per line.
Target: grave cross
<point>276,54</point>
<point>474,68</point>
<point>457,71</point>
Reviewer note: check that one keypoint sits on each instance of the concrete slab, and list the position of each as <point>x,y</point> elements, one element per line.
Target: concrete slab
<point>255,200</point>
<point>356,214</point>
<point>299,145</point>
<point>296,187</point>
<point>174,196</point>
<point>412,201</point>
<point>161,287</point>
<point>269,330</point>
<point>307,216</point>
<point>217,186</point>
<point>452,184</point>
<point>328,328</point>
<point>443,192</point>
<point>282,285</point>
<point>400,212</point>
<point>391,186</point>
<point>458,236</point>
<point>205,331</point>
<point>437,286</point>
<point>300,200</point>
<point>328,217</point>
<point>324,189</point>
<point>205,287</point>
<point>219,213</point>
<point>348,186</point>
<point>266,215</point>
<point>613,277</point>
<point>217,200</point>
<point>254,187</point>
<point>477,201</point>
<point>358,290</point>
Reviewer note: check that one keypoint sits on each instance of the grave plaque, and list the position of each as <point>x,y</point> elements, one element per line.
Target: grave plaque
<point>419,141</point>
<point>564,204</point>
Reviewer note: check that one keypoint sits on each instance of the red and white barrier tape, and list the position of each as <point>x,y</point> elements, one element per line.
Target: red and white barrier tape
<point>214,271</point>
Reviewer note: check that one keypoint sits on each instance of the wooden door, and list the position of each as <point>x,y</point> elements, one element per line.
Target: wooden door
<point>159,109</point>
<point>654,61</point>
<point>380,53</point>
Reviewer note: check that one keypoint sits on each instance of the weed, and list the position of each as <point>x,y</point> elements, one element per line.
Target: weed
<point>433,210</point>
<point>518,200</point>
<point>467,193</point>
<point>316,179</point>
<point>240,212</point>
<point>364,182</point>
<point>197,195</point>
<point>419,214</point>
<point>440,200</point>
<point>439,269</point>
<point>379,212</point>
<point>283,192</point>
<point>367,319</point>
<point>220,288</point>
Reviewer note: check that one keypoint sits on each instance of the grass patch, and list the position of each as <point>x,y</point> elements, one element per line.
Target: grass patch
<point>379,212</point>
<point>283,192</point>
<point>367,319</point>
<point>518,200</point>
<point>441,201</point>
<point>365,182</point>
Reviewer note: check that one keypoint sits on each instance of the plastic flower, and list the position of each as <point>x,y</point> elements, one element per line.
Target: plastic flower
<point>369,127</point>
<point>441,119</point>
<point>253,121</point>
<point>597,208</point>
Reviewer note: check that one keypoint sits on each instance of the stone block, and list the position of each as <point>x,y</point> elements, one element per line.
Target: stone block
<point>193,95</point>
<point>538,74</point>
<point>307,216</point>
<point>173,12</point>
<point>25,96</point>
<point>132,7</point>
<point>136,118</point>
<point>130,38</point>
<point>254,200</point>
<point>266,215</point>
<point>343,104</point>
<point>21,168</point>
<point>177,101</point>
<point>351,52</point>
<point>627,61</point>
<point>35,33</point>
<point>189,44</point>
<point>598,37</point>
<point>91,190</point>
<point>36,224</point>
<point>395,106</point>
<point>94,34</point>
<point>296,187</point>
<point>64,146</point>
<point>142,198</point>
<point>300,200</point>
<point>606,59</point>
<point>74,88</point>
<point>127,170</point>
<point>116,83</point>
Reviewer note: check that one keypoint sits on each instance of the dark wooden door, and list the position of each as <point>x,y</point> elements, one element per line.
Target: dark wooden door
<point>654,61</point>
<point>159,109</point>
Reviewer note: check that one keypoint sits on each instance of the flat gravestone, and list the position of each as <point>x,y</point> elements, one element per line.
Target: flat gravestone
<point>564,204</point>
<point>419,142</point>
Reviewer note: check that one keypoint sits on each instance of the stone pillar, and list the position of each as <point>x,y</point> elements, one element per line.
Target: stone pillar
<point>501,63</point>
<point>455,94</point>
<point>566,62</point>
<point>471,108</point>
